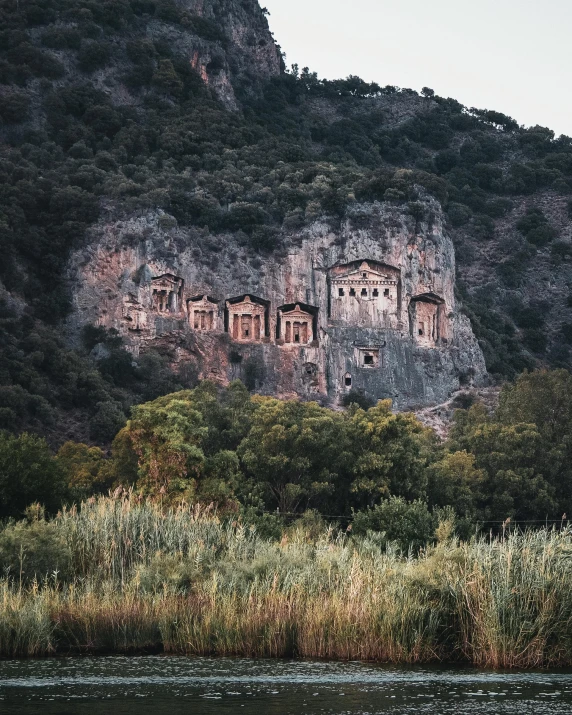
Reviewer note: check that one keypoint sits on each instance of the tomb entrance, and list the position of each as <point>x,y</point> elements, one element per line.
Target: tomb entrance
<point>427,319</point>
<point>167,293</point>
<point>246,318</point>
<point>365,294</point>
<point>203,313</point>
<point>296,324</point>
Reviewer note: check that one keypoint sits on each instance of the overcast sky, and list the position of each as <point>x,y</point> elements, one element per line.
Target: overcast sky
<point>513,56</point>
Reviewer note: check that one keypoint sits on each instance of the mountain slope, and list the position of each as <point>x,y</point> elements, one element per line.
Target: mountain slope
<point>183,109</point>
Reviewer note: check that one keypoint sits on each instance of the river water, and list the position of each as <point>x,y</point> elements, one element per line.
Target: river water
<point>160,685</point>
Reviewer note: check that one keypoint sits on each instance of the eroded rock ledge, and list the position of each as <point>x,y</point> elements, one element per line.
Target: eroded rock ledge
<point>368,307</point>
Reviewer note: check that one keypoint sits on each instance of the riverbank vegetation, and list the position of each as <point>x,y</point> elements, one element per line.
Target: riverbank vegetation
<point>269,460</point>
<point>222,523</point>
<point>124,575</point>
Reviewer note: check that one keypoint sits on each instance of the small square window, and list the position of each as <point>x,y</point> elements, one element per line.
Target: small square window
<point>364,292</point>
<point>375,293</point>
<point>352,291</point>
<point>368,360</point>
<point>348,381</point>
<point>364,275</point>
<point>386,292</point>
<point>341,292</point>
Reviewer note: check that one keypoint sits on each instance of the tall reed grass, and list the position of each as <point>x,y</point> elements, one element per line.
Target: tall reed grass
<point>183,581</point>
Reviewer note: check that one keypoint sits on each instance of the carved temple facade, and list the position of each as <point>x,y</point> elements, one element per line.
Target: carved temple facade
<point>246,318</point>
<point>167,293</point>
<point>362,294</point>
<point>365,294</point>
<point>296,325</point>
<point>203,313</point>
<point>349,341</point>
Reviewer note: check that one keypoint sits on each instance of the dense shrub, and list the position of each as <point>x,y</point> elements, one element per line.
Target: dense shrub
<point>535,227</point>
<point>34,551</point>
<point>93,55</point>
<point>14,107</point>
<point>410,524</point>
<point>108,419</point>
<point>28,472</point>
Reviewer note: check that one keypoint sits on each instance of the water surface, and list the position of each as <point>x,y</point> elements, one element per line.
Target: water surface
<point>172,685</point>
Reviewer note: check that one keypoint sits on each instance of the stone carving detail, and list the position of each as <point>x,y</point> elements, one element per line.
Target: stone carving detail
<point>365,294</point>
<point>368,309</point>
<point>310,370</point>
<point>368,357</point>
<point>167,293</point>
<point>247,318</point>
<point>295,325</point>
<point>134,314</point>
<point>202,312</point>
<point>427,320</point>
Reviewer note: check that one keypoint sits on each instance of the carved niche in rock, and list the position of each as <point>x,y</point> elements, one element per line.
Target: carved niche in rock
<point>427,319</point>
<point>202,312</point>
<point>167,293</point>
<point>296,324</point>
<point>365,294</point>
<point>247,318</point>
<point>368,357</point>
<point>134,314</point>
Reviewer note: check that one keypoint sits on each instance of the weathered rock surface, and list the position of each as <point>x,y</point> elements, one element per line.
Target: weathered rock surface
<point>281,323</point>
<point>247,56</point>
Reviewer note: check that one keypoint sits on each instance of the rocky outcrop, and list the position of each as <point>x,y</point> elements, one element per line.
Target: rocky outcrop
<point>367,306</point>
<point>228,43</point>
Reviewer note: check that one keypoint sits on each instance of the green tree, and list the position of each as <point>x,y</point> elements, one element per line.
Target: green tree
<point>227,412</point>
<point>14,107</point>
<point>455,481</point>
<point>106,422</point>
<point>83,468</point>
<point>166,436</point>
<point>93,55</point>
<point>295,451</point>
<point>388,454</point>
<point>544,398</point>
<point>184,445</point>
<point>28,473</point>
<point>34,550</point>
<point>166,80</point>
<point>410,524</point>
<point>510,480</point>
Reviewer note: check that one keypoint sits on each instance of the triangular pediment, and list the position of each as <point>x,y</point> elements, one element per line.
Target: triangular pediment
<point>246,303</point>
<point>297,312</point>
<point>201,301</point>
<point>167,278</point>
<point>372,273</point>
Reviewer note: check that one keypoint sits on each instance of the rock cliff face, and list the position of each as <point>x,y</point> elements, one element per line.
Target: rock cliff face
<point>367,306</point>
<point>244,54</point>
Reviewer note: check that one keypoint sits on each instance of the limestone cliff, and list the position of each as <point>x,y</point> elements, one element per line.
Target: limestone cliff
<point>241,54</point>
<point>367,306</point>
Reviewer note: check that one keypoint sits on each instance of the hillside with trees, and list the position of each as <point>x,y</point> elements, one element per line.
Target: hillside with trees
<point>266,460</point>
<point>104,115</point>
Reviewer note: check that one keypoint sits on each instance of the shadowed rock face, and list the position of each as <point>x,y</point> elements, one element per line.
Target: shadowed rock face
<point>246,56</point>
<point>368,306</point>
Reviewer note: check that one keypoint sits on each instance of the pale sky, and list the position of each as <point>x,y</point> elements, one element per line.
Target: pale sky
<point>513,56</point>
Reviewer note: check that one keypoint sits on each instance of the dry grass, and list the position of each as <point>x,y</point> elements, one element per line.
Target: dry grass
<point>182,581</point>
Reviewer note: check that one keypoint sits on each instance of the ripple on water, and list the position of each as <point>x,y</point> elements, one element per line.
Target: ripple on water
<point>172,685</point>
